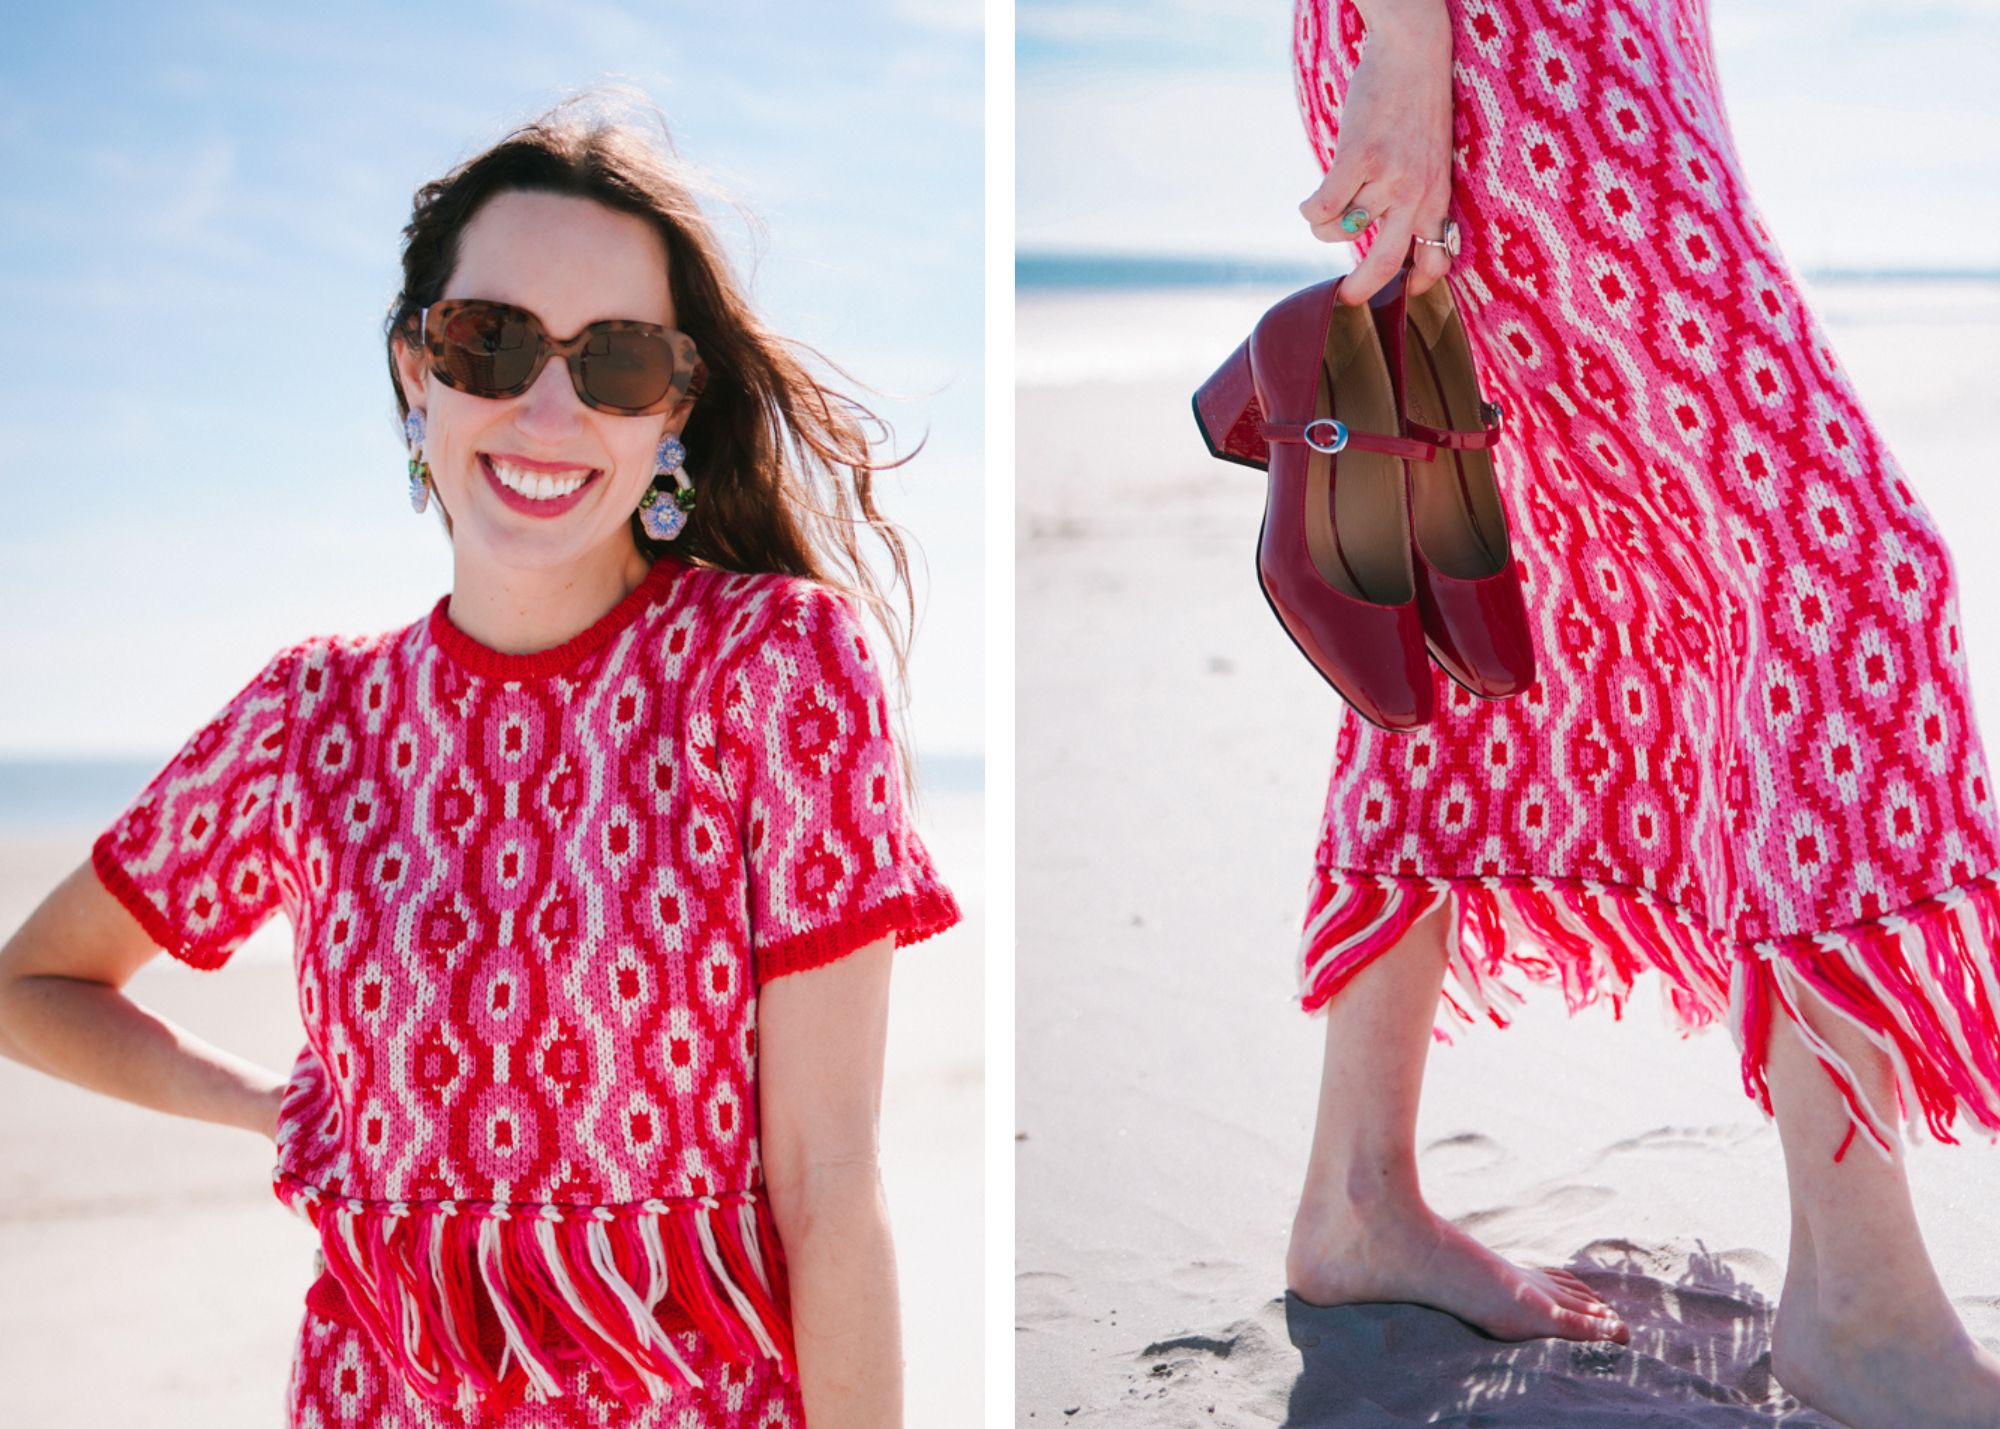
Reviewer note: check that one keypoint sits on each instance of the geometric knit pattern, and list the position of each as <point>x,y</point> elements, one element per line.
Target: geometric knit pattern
<point>534,897</point>
<point>1751,729</point>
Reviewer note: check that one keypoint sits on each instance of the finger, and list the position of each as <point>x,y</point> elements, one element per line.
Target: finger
<point>1432,262</point>
<point>1367,199</point>
<point>1384,257</point>
<point>1332,230</point>
<point>1343,187</point>
<point>1337,187</point>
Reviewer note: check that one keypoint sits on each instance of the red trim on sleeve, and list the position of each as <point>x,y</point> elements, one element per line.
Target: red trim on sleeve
<point>913,916</point>
<point>119,883</point>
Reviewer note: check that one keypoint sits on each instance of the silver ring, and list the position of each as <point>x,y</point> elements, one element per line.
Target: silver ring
<point>1339,439</point>
<point>1449,243</point>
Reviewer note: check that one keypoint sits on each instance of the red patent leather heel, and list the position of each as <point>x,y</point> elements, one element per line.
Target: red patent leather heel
<point>1227,404</point>
<point>1308,398</point>
<point>1468,586</point>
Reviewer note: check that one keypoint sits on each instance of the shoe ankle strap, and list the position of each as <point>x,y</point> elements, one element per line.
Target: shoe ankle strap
<point>1327,434</point>
<point>1492,412</point>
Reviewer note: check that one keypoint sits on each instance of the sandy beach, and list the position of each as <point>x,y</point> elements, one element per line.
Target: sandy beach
<point>1173,757</point>
<point>153,1278</point>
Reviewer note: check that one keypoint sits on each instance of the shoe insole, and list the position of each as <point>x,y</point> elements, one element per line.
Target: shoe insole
<point>1455,512</point>
<point>1355,521</point>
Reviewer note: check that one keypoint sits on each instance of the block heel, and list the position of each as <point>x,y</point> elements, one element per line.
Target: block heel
<point>1226,411</point>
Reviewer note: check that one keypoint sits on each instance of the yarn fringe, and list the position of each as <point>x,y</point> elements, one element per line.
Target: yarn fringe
<point>560,1281</point>
<point>1921,983</point>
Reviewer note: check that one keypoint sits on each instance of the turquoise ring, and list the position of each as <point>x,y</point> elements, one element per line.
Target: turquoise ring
<point>1354,220</point>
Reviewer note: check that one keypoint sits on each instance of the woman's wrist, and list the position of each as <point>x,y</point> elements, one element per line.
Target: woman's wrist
<point>268,1103</point>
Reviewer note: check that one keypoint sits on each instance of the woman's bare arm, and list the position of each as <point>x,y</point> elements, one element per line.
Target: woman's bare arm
<point>63,1011</point>
<point>820,1037</point>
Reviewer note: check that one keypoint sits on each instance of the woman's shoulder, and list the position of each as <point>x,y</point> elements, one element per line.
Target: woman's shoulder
<point>312,664</point>
<point>740,608</point>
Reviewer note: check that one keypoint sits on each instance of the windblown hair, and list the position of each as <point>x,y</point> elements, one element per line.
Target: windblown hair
<point>786,464</point>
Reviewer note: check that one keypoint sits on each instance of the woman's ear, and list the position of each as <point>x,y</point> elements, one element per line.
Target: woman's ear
<point>411,372</point>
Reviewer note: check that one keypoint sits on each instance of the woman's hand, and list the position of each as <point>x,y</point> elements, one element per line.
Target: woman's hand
<point>1393,155</point>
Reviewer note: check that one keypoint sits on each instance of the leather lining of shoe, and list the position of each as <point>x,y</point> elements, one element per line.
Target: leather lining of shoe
<point>1455,511</point>
<point>1356,531</point>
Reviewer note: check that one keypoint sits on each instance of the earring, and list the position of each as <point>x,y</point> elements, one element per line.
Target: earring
<point>665,515</point>
<point>420,471</point>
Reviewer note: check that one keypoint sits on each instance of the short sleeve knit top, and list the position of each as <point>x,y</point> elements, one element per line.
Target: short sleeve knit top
<point>534,898</point>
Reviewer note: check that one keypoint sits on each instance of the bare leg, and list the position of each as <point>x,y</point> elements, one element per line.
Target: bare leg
<point>1865,1332</point>
<point>1363,1232</point>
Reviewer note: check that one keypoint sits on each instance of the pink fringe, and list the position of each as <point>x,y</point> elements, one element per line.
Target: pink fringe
<point>1922,983</point>
<point>559,1281</point>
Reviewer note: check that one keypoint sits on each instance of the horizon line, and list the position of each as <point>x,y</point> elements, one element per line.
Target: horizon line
<point>1057,268</point>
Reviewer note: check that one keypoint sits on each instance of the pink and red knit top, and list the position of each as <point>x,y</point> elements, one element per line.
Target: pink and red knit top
<point>534,897</point>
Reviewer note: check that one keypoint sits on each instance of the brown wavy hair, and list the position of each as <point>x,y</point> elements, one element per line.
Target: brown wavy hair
<point>787,463</point>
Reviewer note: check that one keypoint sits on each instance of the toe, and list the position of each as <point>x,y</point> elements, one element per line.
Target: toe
<point>1586,1325</point>
<point>1582,1287</point>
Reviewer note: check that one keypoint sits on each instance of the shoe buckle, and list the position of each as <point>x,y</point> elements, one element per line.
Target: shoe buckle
<point>1329,444</point>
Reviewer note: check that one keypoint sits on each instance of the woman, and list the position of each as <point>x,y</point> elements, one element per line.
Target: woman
<point>596,869</point>
<point>1749,759</point>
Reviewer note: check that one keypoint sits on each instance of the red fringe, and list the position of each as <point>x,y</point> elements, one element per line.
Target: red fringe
<point>1923,983</point>
<point>522,1288</point>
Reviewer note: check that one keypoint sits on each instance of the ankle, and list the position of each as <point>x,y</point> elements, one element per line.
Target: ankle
<point>1359,1198</point>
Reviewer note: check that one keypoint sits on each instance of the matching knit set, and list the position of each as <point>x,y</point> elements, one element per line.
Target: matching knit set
<point>1750,760</point>
<point>534,898</point>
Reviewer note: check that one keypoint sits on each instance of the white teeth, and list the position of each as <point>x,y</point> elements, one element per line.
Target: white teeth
<point>537,486</point>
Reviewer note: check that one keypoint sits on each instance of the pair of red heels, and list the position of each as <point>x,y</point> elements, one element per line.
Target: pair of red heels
<point>1383,528</point>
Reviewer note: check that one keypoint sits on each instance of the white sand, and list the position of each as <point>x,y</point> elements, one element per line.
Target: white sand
<point>152,1278</point>
<point>1173,756</point>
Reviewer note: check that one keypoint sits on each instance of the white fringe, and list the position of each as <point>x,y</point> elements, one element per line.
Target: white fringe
<point>656,1259</point>
<point>1914,1126</point>
<point>451,1327</point>
<point>742,1301</point>
<point>552,1256</point>
<point>650,1329</point>
<point>542,1382</point>
<point>1870,1121</point>
<point>746,1216</point>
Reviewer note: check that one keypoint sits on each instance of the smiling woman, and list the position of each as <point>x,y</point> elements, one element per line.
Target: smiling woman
<point>596,868</point>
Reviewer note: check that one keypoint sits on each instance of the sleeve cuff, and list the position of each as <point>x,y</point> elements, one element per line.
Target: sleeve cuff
<point>119,883</point>
<point>912,916</point>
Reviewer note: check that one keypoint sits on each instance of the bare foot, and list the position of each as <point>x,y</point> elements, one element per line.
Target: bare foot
<point>1881,1360</point>
<point>1414,1255</point>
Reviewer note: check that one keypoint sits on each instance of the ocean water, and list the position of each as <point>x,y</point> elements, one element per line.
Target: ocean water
<point>1131,318</point>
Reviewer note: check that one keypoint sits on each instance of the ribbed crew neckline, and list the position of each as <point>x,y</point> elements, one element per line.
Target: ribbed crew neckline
<point>482,659</point>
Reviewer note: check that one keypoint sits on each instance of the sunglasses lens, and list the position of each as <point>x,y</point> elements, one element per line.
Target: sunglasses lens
<point>627,369</point>
<point>484,350</point>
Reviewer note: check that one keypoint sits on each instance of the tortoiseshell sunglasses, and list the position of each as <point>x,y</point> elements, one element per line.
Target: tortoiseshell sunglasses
<point>620,365</point>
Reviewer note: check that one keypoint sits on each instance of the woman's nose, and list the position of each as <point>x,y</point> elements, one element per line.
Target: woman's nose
<point>551,405</point>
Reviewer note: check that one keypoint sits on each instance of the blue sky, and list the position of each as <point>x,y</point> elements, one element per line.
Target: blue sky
<point>1870,132</point>
<point>185,496</point>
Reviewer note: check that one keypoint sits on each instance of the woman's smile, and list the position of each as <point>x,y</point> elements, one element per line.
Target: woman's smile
<point>536,492</point>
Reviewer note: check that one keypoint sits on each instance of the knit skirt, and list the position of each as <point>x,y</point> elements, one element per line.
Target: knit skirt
<point>340,1381</point>
<point>1749,762</point>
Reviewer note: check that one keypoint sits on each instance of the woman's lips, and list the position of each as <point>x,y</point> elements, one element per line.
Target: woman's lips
<point>528,505</point>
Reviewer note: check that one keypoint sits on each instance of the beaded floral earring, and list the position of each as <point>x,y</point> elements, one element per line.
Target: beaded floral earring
<point>420,471</point>
<point>663,515</point>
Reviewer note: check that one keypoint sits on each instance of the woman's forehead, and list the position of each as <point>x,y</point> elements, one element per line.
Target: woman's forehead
<point>569,261</point>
